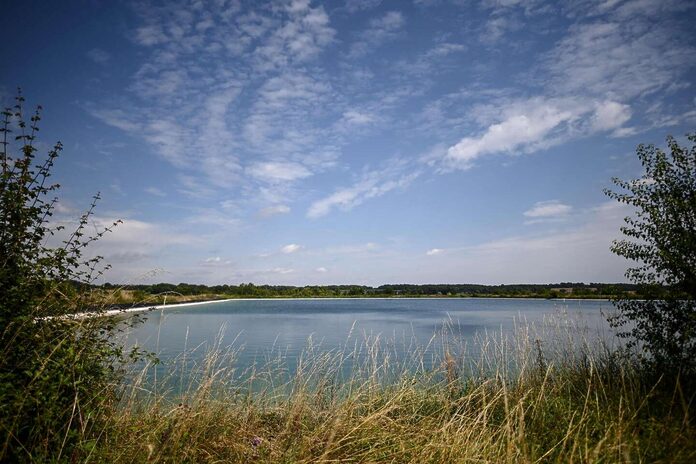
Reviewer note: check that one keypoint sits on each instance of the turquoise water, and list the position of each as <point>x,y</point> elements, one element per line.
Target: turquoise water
<point>261,329</point>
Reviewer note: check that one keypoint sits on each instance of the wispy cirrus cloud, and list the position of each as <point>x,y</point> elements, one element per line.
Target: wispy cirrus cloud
<point>619,60</point>
<point>281,117</point>
<point>260,106</point>
<point>224,93</point>
<point>547,211</point>
<point>549,208</point>
<point>371,184</point>
<point>593,80</point>
<point>99,56</point>
<point>278,171</point>
<point>379,31</point>
<point>359,5</point>
<point>441,57</point>
<point>274,210</point>
<point>282,270</point>
<point>357,118</point>
<point>257,123</point>
<point>299,38</point>
<point>155,191</point>
<point>351,249</point>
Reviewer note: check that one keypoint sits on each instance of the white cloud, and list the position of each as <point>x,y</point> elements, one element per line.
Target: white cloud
<point>274,210</point>
<point>229,204</point>
<point>291,248</point>
<point>357,5</point>
<point>117,118</point>
<point>503,4</point>
<point>164,83</point>
<point>99,56</point>
<point>434,251</point>
<point>214,259</point>
<point>379,31</point>
<point>116,188</point>
<point>357,118</point>
<point>445,49</point>
<point>390,22</point>
<point>619,59</point>
<point>282,270</point>
<point>149,35</point>
<point>523,128</point>
<point>496,27</point>
<point>609,61</point>
<point>278,171</point>
<point>372,184</point>
<point>214,217</point>
<point>610,115</point>
<point>300,38</point>
<point>169,139</point>
<point>184,99</point>
<point>282,117</point>
<point>240,100</point>
<point>155,191</point>
<point>548,209</point>
<point>195,187</point>
<point>624,132</point>
<point>542,257</point>
<point>63,209</point>
<point>132,240</point>
<point>352,249</point>
<point>216,138</point>
<point>321,269</point>
<point>429,64</point>
<point>527,125</point>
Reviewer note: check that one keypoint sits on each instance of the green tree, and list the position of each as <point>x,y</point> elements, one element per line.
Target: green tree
<point>661,239</point>
<point>56,371</point>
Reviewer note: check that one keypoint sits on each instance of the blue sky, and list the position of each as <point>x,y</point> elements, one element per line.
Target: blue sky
<point>366,141</point>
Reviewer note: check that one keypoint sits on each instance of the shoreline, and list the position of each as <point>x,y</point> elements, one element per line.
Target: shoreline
<point>115,312</point>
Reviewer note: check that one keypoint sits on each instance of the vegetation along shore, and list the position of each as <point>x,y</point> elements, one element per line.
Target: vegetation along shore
<point>142,295</point>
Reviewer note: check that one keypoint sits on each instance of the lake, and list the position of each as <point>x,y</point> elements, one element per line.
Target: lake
<point>262,330</point>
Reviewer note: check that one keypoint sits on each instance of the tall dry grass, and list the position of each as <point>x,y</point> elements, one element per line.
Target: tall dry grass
<point>543,394</point>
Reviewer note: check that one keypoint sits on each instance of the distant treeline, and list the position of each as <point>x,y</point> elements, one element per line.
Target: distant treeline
<point>250,290</point>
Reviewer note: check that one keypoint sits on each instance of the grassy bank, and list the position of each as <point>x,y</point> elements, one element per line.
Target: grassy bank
<point>504,400</point>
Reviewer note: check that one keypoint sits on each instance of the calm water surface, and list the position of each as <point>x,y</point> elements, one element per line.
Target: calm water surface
<point>262,327</point>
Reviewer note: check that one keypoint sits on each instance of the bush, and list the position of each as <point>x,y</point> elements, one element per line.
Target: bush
<point>56,371</point>
<point>662,240</point>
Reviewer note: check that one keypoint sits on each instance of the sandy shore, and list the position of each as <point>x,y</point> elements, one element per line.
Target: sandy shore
<point>112,312</point>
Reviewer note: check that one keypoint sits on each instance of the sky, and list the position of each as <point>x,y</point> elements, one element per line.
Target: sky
<point>352,142</point>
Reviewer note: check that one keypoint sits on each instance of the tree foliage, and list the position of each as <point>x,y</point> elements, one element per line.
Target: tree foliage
<point>661,239</point>
<point>55,370</point>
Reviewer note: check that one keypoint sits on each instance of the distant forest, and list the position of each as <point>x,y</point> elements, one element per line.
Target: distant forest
<point>250,290</point>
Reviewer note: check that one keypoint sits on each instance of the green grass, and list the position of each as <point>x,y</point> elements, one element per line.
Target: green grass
<point>506,403</point>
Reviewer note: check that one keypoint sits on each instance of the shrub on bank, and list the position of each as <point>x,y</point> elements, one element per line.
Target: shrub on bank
<point>57,373</point>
